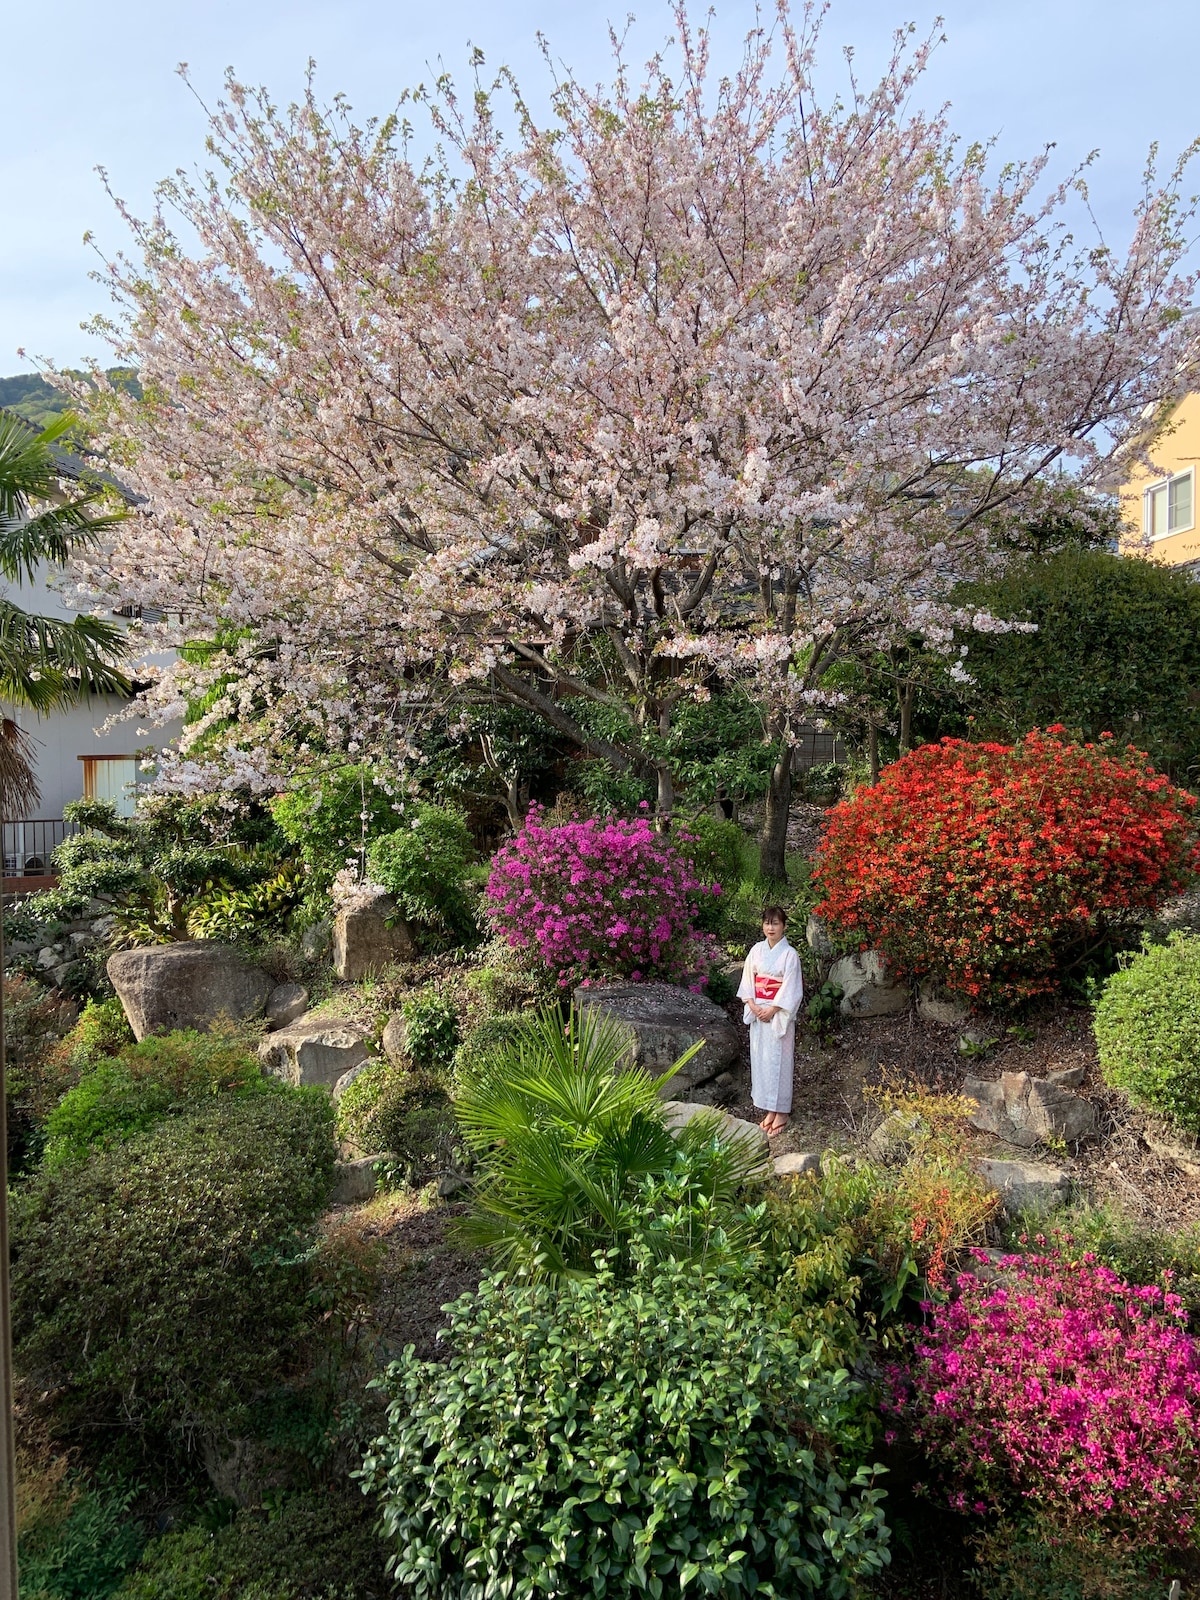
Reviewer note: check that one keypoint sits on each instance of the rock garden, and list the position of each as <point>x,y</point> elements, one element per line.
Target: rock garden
<point>404,1198</point>
<point>294,1187</point>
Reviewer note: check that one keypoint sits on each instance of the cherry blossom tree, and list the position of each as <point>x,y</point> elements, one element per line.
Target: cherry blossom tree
<point>701,378</point>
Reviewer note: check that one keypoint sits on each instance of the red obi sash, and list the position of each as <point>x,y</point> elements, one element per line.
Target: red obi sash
<point>766,987</point>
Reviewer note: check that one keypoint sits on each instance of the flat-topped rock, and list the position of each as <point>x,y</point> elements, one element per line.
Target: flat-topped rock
<point>661,1022</point>
<point>315,1050</point>
<point>369,938</point>
<point>1026,1185</point>
<point>796,1163</point>
<point>191,984</point>
<point>735,1130</point>
<point>1025,1111</point>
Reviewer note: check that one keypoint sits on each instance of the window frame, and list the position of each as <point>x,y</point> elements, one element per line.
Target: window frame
<point>1165,483</point>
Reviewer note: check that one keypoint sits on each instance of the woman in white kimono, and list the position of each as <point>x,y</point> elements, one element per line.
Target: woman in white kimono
<point>772,986</point>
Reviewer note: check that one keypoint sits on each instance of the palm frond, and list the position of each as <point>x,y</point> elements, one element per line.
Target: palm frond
<point>31,475</point>
<point>46,662</point>
<point>19,792</point>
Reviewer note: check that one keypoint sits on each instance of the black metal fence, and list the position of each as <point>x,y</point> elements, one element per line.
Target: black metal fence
<point>27,846</point>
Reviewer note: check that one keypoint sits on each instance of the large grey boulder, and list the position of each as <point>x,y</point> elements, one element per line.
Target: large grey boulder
<point>816,936</point>
<point>868,989</point>
<point>188,985</point>
<point>315,1050</point>
<point>369,938</point>
<point>286,1003</point>
<point>354,1181</point>
<point>660,1022</point>
<point>748,1136</point>
<point>1026,1185</point>
<point>1026,1111</point>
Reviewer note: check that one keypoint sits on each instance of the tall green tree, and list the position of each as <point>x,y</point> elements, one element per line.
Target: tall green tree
<point>1116,649</point>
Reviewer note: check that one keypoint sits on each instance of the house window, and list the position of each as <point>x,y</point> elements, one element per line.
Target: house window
<point>112,778</point>
<point>1171,505</point>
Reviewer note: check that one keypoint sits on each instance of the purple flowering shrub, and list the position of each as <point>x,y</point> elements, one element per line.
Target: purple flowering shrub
<point>601,898</point>
<point>1059,1384</point>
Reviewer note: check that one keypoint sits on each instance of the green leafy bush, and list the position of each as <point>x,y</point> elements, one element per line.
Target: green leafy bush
<point>83,1552</point>
<point>423,866</point>
<point>622,1438</point>
<point>315,1546</point>
<point>1147,1027</point>
<point>430,1031</point>
<point>322,817</point>
<point>576,1157</point>
<point>159,1286</point>
<point>408,1115</point>
<point>130,1093</point>
<point>717,851</point>
<point>35,1023</point>
<point>1114,652</point>
<point>494,1035</point>
<point>1029,1560</point>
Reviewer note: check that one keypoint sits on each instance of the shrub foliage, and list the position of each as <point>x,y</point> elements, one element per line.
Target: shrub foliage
<point>989,867</point>
<point>156,1285</point>
<point>1148,1029</point>
<point>1060,1385</point>
<point>132,1092</point>
<point>650,1438</point>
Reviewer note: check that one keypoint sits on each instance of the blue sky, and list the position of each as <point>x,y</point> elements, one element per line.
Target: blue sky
<point>89,86</point>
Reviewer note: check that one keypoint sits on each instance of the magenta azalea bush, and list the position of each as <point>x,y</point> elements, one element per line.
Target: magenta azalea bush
<point>1059,1384</point>
<point>601,898</point>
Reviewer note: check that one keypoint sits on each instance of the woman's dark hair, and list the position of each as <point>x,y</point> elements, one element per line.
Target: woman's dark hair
<point>775,914</point>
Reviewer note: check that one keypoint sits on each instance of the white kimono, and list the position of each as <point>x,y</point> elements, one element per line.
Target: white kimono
<point>772,977</point>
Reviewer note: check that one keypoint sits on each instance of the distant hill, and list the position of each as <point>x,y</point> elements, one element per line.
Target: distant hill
<point>31,397</point>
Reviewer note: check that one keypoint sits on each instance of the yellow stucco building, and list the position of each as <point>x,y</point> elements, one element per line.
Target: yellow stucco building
<point>1159,506</point>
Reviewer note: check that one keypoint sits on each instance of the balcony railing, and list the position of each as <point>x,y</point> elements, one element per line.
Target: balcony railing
<point>28,845</point>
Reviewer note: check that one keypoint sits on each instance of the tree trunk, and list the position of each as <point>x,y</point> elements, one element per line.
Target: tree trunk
<point>906,709</point>
<point>772,860</point>
<point>664,803</point>
<point>873,751</point>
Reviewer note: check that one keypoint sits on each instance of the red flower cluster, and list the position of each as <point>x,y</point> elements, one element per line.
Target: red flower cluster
<point>984,866</point>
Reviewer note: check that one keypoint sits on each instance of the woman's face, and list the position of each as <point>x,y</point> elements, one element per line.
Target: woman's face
<point>772,930</point>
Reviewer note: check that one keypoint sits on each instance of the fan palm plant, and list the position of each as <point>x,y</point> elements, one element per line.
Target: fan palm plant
<point>577,1158</point>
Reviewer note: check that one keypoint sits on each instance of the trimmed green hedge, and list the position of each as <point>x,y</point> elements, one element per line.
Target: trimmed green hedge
<point>1148,1030</point>
<point>160,1285</point>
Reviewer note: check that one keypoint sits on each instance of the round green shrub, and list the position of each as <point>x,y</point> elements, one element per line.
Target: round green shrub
<point>407,1115</point>
<point>148,1081</point>
<point>1147,1027</point>
<point>423,866</point>
<point>430,1032</point>
<point>498,1036</point>
<point>621,1439</point>
<point>160,1285</point>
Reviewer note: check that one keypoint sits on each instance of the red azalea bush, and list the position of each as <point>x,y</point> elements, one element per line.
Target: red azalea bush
<point>602,897</point>
<point>987,866</point>
<point>1060,1385</point>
